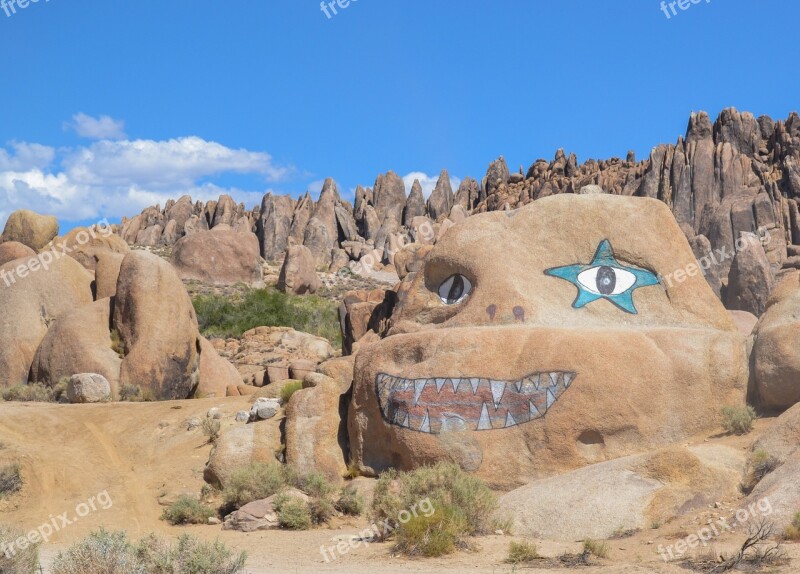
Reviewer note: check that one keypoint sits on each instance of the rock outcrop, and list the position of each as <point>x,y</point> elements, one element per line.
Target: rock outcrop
<point>523,377</point>
<point>31,229</point>
<point>158,327</point>
<point>219,257</point>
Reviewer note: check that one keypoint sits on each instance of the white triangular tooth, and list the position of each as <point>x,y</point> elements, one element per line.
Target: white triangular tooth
<point>406,422</point>
<point>426,424</point>
<point>455,383</point>
<point>484,423</point>
<point>536,380</point>
<point>568,378</point>
<point>419,386</point>
<point>475,383</point>
<point>553,379</point>
<point>551,398</point>
<point>439,384</point>
<point>498,389</point>
<point>518,386</point>
<point>534,410</point>
<point>510,422</point>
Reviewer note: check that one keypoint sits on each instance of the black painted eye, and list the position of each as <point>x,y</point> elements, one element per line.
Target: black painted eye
<point>455,289</point>
<point>607,280</point>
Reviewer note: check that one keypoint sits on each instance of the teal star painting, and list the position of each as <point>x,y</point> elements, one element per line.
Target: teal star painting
<point>605,278</point>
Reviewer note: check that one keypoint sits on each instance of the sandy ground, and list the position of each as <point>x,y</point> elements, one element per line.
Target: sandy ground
<point>139,452</point>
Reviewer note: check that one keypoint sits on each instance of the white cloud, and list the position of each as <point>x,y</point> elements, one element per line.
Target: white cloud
<point>120,178</point>
<point>104,127</point>
<point>26,156</point>
<point>428,182</point>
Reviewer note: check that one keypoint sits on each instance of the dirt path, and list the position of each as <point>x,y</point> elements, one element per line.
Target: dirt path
<point>140,452</point>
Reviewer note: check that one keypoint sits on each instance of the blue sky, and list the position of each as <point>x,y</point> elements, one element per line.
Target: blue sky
<point>111,105</point>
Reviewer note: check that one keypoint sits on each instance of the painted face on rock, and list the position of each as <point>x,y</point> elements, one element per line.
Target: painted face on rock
<point>541,338</point>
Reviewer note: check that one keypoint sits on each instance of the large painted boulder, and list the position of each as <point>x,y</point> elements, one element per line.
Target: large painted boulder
<point>574,330</point>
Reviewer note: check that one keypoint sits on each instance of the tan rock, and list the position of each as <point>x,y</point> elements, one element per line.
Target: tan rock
<point>298,274</point>
<point>79,341</point>
<point>218,257</point>
<point>86,244</point>
<point>106,273</point>
<point>158,326</point>
<point>239,446</point>
<point>12,250</point>
<point>315,427</point>
<point>31,299</point>
<point>216,373</point>
<point>30,229</point>
<point>776,364</point>
<point>512,376</point>
<point>657,487</point>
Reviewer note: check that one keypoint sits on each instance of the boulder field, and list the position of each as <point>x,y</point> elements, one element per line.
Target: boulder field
<point>123,315</point>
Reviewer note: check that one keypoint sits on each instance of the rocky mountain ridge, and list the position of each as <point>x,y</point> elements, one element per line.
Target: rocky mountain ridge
<point>737,175</point>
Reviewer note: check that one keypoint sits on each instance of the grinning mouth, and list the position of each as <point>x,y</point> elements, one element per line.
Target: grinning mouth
<point>439,405</point>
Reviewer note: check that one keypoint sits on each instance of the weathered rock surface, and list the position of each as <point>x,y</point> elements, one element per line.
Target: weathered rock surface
<point>30,229</point>
<point>520,378</point>
<point>216,373</point>
<point>776,363</point>
<point>11,250</point>
<point>218,258</point>
<point>88,388</point>
<point>157,324</point>
<point>316,428</point>
<point>298,273</point>
<point>259,514</point>
<point>31,299</point>
<point>86,244</point>
<point>79,341</point>
<point>239,446</point>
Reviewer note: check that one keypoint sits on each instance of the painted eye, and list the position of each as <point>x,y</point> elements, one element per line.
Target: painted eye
<point>455,289</point>
<point>606,280</point>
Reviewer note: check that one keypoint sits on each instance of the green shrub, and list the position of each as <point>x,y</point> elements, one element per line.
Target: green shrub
<point>211,428</point>
<point>187,510</point>
<point>219,316</point>
<point>792,531</point>
<point>595,547</point>
<point>20,561</point>
<point>104,552</point>
<point>434,535</point>
<point>293,513</point>
<point>189,556</point>
<point>254,482</point>
<point>117,344</point>
<point>315,484</point>
<point>30,393</point>
<point>136,394</point>
<point>738,420</point>
<point>522,552</point>
<point>759,465</point>
<point>463,506</point>
<point>289,389</point>
<point>350,502</point>
<point>10,481</point>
